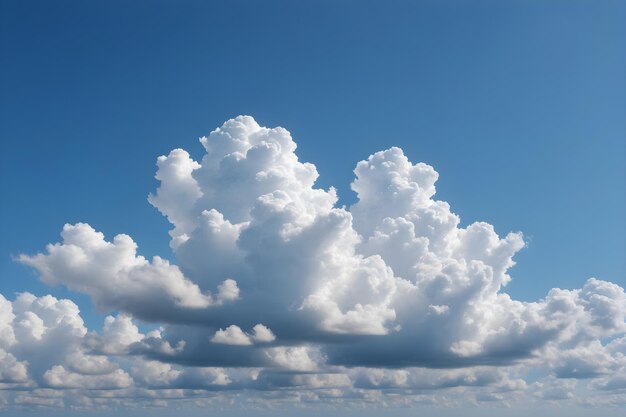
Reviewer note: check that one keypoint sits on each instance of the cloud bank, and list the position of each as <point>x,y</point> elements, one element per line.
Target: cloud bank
<point>279,293</point>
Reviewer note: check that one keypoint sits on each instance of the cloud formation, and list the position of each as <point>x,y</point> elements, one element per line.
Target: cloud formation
<point>278,290</point>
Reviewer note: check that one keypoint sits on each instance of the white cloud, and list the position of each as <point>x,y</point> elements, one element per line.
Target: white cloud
<point>116,278</point>
<point>48,347</point>
<point>118,333</point>
<point>389,294</point>
<point>298,358</point>
<point>178,191</point>
<point>12,370</point>
<point>232,335</point>
<point>262,334</point>
<point>59,377</point>
<point>154,373</point>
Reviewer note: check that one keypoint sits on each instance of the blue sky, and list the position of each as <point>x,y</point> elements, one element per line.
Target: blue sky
<point>518,105</point>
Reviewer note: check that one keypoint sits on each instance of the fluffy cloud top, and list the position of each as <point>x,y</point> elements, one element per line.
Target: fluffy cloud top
<point>275,287</point>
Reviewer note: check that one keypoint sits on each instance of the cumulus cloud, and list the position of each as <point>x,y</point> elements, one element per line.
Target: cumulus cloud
<point>59,377</point>
<point>275,289</point>
<point>46,346</point>
<point>262,334</point>
<point>116,278</point>
<point>232,335</point>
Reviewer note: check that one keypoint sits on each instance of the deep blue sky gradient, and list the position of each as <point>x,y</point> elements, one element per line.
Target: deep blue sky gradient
<point>519,105</point>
